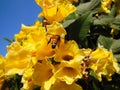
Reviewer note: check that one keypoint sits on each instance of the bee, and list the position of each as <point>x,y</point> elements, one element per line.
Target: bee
<point>54,40</point>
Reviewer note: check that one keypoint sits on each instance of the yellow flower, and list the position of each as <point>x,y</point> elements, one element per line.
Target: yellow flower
<point>56,29</point>
<point>25,30</point>
<point>63,86</point>
<point>30,36</point>
<point>47,84</point>
<point>2,65</point>
<point>42,72</point>
<point>68,51</point>
<point>68,68</point>
<point>17,58</point>
<point>2,72</point>
<point>34,39</point>
<point>69,74</point>
<point>53,83</point>
<point>44,49</point>
<point>27,81</point>
<point>103,63</point>
<point>87,51</point>
<point>69,56</point>
<point>105,4</point>
<point>55,10</point>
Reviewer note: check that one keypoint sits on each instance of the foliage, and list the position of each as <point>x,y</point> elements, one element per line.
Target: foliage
<point>75,47</point>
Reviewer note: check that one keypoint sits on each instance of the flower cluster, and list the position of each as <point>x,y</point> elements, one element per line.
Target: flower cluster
<point>44,58</point>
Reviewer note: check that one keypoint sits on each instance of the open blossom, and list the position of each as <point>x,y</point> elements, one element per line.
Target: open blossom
<point>43,70</point>
<point>44,48</point>
<point>31,36</point>
<point>103,63</point>
<point>55,10</point>
<point>17,59</point>
<point>68,51</point>
<point>66,69</point>
<point>69,57</point>
<point>67,66</point>
<point>36,39</point>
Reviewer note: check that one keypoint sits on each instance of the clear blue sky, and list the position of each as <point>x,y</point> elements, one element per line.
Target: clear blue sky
<point>13,13</point>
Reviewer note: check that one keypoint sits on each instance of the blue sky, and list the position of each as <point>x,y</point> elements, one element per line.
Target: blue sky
<point>13,13</point>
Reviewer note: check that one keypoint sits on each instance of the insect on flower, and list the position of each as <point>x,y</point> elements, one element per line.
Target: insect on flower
<point>54,40</point>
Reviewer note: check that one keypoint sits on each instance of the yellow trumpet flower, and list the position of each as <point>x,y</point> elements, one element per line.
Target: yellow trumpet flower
<point>103,63</point>
<point>55,10</point>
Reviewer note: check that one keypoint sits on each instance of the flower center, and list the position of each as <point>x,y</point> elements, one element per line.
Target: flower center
<point>67,57</point>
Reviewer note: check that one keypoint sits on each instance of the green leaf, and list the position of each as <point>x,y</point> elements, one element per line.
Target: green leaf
<point>93,5</point>
<point>70,19</point>
<point>12,83</point>
<point>103,20</point>
<point>111,44</point>
<point>84,26</point>
<point>79,29</point>
<point>117,56</point>
<point>106,19</point>
<point>95,82</point>
<point>7,39</point>
<point>116,23</point>
<point>105,41</point>
<point>83,8</point>
<point>92,73</point>
<point>95,86</point>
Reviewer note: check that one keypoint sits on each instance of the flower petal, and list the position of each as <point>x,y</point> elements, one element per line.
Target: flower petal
<point>63,86</point>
